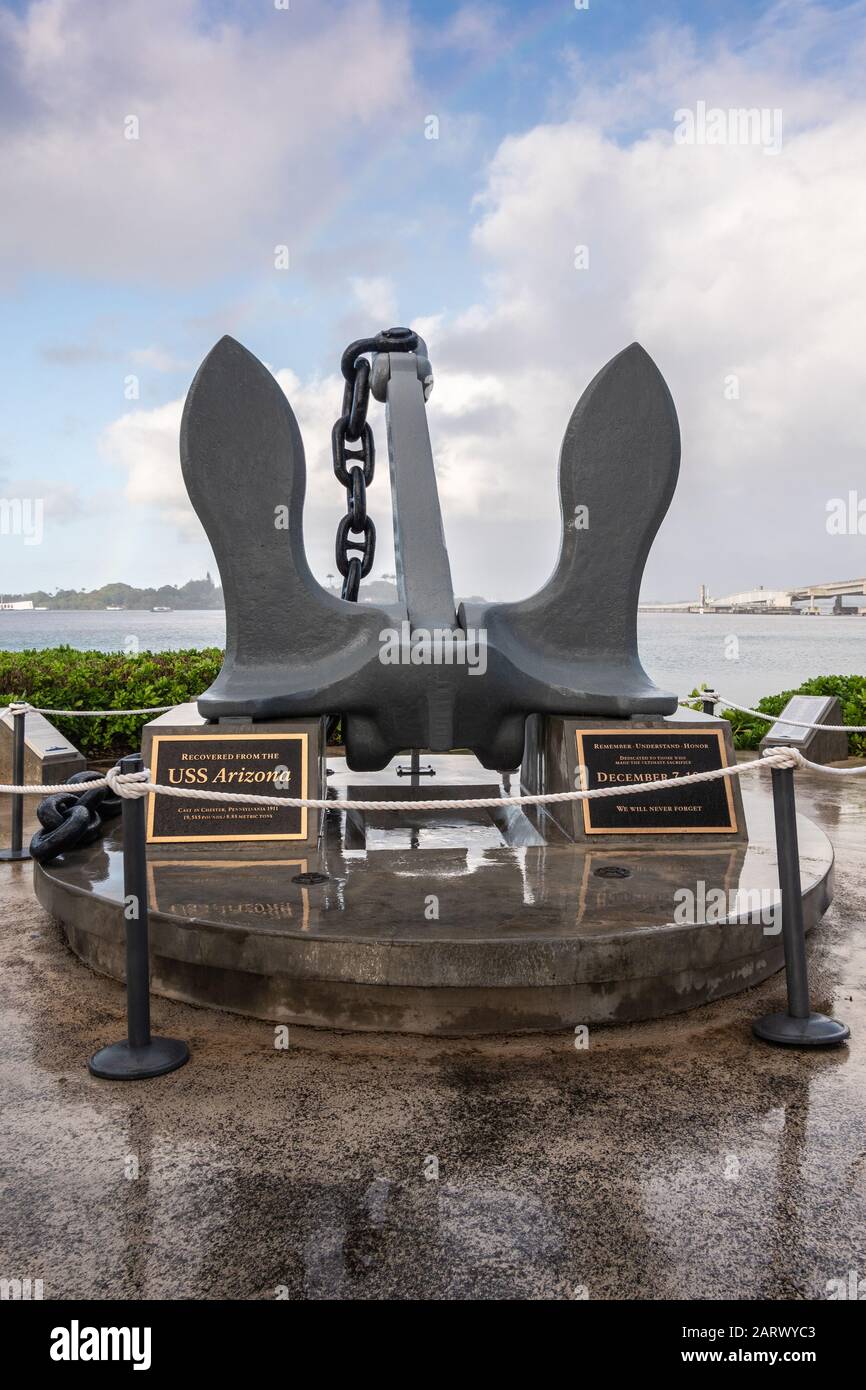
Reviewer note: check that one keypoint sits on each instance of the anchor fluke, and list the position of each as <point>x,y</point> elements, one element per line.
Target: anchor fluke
<point>575,641</point>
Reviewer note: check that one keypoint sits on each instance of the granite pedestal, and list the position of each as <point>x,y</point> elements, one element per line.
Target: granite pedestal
<point>48,756</point>
<point>182,748</point>
<point>552,763</point>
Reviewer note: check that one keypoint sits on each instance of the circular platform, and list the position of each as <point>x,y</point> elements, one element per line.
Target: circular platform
<point>450,923</point>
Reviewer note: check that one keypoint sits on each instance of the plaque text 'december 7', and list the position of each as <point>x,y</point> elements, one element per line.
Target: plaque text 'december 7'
<point>616,757</point>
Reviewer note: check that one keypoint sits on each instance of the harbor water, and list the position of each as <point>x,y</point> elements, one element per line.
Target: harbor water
<point>744,655</point>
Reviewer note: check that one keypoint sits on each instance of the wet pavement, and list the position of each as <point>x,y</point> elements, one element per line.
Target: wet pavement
<point>673,1159</point>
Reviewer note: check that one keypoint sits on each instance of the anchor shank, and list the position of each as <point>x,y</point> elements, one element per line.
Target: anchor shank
<point>423,571</point>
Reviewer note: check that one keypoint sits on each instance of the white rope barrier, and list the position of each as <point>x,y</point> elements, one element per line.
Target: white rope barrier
<point>131,785</point>
<point>86,713</point>
<point>832,771</point>
<point>137,784</point>
<point>682,700</point>
<point>777,718</point>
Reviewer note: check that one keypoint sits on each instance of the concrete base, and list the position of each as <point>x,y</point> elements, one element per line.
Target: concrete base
<point>448,924</point>
<point>357,1167</point>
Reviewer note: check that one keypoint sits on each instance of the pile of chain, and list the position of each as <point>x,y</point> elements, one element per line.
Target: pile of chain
<point>69,819</point>
<point>354,468</point>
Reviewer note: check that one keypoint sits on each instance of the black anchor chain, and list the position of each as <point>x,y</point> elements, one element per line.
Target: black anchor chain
<point>354,468</point>
<point>69,819</point>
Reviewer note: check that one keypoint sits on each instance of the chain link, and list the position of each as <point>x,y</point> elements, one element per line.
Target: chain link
<point>354,468</point>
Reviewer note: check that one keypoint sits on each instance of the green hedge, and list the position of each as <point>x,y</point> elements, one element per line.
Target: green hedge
<point>850,691</point>
<point>64,678</point>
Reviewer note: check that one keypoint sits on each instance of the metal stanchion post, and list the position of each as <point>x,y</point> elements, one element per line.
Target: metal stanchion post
<point>799,1027</point>
<point>17,851</point>
<point>709,706</point>
<point>140,1054</point>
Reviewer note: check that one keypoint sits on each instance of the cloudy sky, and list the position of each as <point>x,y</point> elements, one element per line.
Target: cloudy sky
<point>740,266</point>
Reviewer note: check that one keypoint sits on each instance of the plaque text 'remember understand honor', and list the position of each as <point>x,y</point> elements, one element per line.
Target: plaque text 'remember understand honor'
<point>257,764</point>
<point>616,757</point>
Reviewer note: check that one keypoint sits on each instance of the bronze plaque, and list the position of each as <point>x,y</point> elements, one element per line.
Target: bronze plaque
<point>617,757</point>
<point>257,764</point>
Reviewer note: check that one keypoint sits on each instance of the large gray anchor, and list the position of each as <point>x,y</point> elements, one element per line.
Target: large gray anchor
<point>293,649</point>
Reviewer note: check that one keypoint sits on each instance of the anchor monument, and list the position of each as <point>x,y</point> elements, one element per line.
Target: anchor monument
<point>447,918</point>
<point>295,650</point>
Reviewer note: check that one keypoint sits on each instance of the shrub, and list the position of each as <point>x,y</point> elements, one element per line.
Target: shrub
<point>849,690</point>
<point>64,678</point>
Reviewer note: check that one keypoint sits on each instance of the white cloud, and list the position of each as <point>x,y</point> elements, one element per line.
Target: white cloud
<point>377,297</point>
<point>476,28</point>
<point>722,261</point>
<point>157,359</point>
<point>61,502</point>
<point>143,446</point>
<point>242,131</point>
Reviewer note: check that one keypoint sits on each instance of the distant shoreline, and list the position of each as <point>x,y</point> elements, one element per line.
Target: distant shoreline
<point>661,608</point>
<point>650,609</point>
<point>85,608</point>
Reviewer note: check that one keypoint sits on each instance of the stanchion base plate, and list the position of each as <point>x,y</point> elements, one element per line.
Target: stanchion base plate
<point>815,1031</point>
<point>12,856</point>
<point>120,1062</point>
